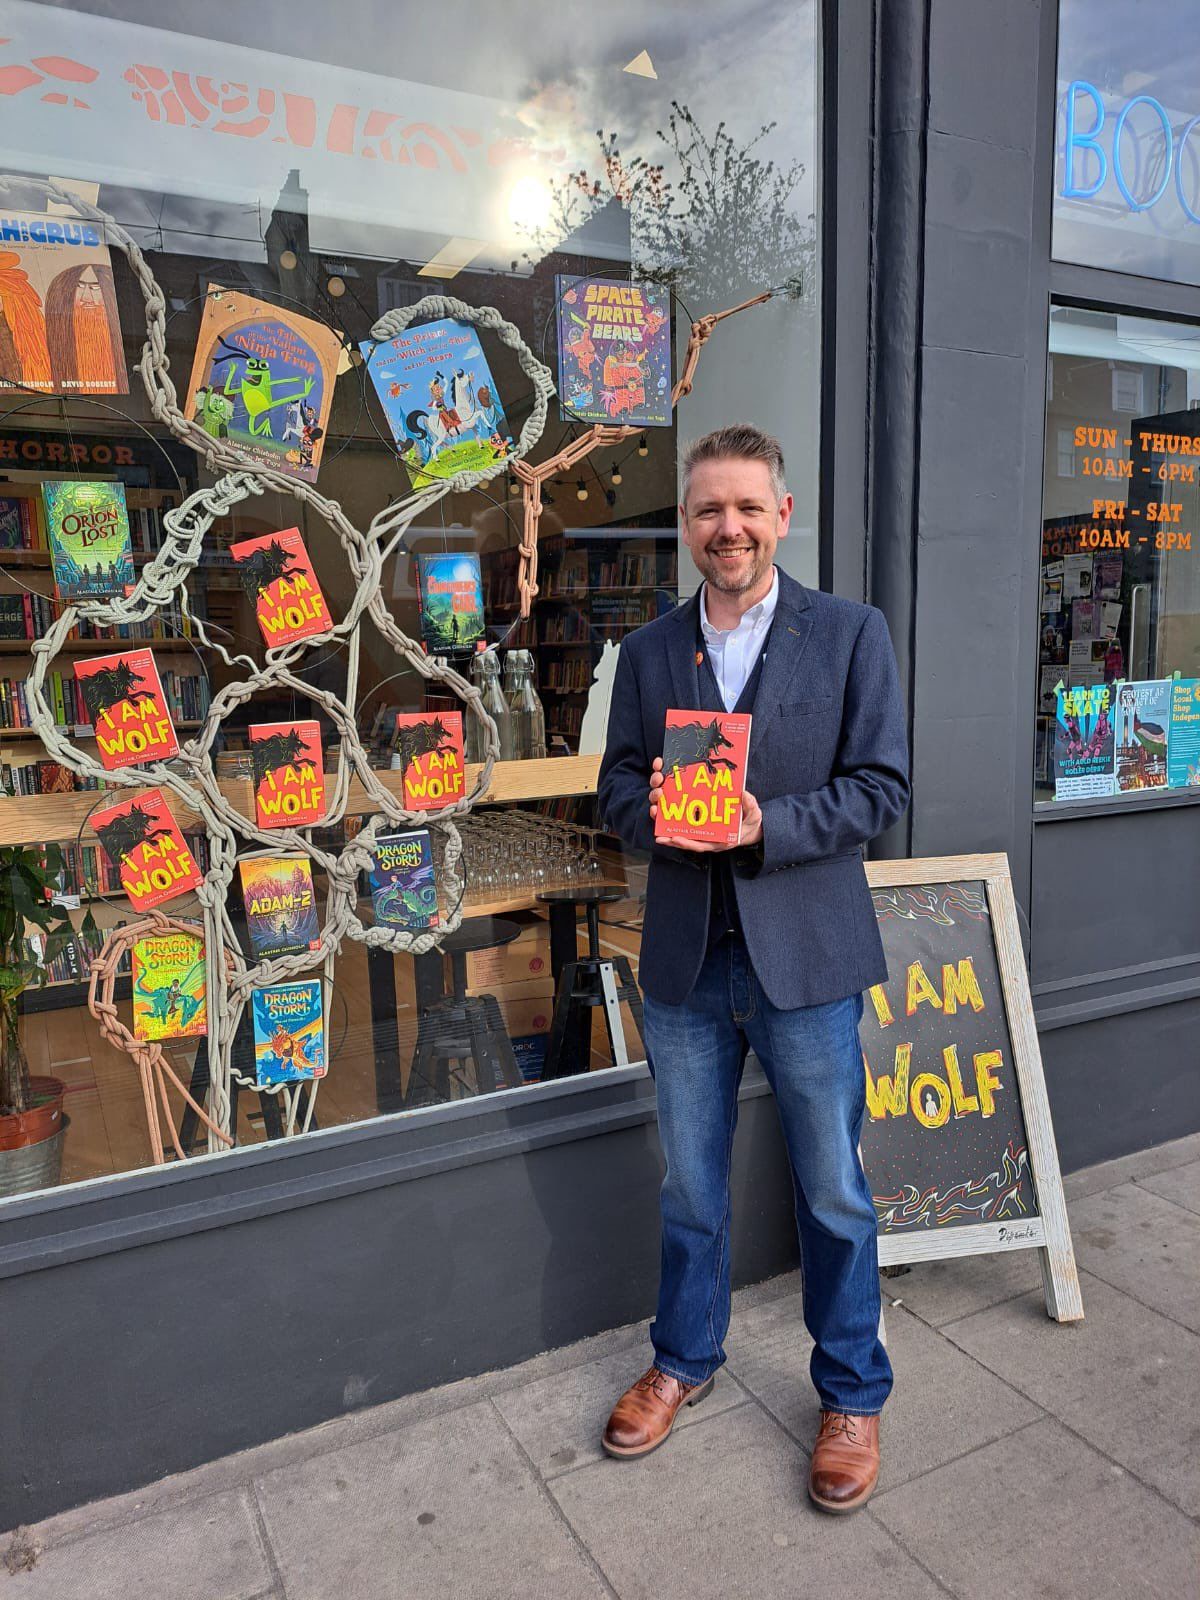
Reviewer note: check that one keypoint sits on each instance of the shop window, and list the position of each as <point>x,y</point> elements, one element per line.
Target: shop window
<point>1118,710</point>
<point>283,206</point>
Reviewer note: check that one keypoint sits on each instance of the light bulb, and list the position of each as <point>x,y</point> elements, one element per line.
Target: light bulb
<point>336,287</point>
<point>288,260</point>
<point>616,475</point>
<point>643,447</point>
<point>513,486</point>
<point>581,492</point>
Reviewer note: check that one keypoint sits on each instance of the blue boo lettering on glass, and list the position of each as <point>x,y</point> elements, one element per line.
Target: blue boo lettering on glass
<point>1077,140</point>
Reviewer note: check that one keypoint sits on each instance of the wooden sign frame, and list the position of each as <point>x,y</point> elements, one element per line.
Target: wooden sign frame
<point>1049,1232</point>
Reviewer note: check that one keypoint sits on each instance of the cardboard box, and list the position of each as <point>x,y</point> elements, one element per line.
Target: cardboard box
<point>525,960</point>
<point>526,1007</point>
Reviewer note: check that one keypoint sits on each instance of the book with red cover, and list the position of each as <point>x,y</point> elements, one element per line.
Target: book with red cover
<point>142,840</point>
<point>127,708</point>
<point>277,575</point>
<point>289,777</point>
<point>431,757</point>
<point>704,769</point>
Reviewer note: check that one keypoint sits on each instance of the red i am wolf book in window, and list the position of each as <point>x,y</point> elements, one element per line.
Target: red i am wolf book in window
<point>277,575</point>
<point>431,758</point>
<point>704,770</point>
<point>142,840</point>
<point>126,705</point>
<point>289,778</point>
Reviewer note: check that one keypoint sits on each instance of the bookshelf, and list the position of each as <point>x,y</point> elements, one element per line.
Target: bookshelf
<point>594,584</point>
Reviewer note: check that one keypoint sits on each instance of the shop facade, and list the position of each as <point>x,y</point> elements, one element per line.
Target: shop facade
<point>980,358</point>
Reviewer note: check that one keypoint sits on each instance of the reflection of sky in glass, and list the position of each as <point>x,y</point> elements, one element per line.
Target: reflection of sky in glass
<point>1127,48</point>
<point>549,77</point>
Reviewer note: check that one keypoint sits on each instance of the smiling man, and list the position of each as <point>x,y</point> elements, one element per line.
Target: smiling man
<point>766,947</point>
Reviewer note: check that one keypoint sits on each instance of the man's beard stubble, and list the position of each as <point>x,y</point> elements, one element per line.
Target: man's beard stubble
<point>723,581</point>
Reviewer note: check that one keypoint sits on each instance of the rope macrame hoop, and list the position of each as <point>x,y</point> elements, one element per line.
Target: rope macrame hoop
<point>190,778</point>
<point>152,1064</point>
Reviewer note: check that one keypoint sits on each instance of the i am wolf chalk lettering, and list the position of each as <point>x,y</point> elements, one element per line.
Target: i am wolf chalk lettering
<point>142,840</point>
<point>289,776</point>
<point>704,769</point>
<point>128,710</point>
<point>280,581</point>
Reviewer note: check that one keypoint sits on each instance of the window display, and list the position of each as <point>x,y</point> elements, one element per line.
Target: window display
<point>1119,636</point>
<point>255,590</point>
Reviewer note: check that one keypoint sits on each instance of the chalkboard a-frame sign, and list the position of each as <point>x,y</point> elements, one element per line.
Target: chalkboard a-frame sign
<point>957,1141</point>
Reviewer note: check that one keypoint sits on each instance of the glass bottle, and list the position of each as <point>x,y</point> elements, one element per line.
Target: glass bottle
<point>485,671</point>
<point>528,718</point>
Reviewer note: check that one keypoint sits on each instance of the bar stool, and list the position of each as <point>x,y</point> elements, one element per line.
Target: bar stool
<point>583,982</point>
<point>460,1027</point>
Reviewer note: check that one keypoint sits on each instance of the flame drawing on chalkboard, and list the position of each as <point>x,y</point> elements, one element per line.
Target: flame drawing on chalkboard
<point>1002,1194</point>
<point>933,903</point>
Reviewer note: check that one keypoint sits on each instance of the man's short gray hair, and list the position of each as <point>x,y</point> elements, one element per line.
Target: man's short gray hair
<point>741,441</point>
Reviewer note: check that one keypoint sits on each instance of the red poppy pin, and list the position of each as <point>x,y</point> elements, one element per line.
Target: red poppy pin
<point>699,658</point>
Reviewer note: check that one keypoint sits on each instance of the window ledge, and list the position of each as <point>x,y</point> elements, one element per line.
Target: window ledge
<point>1065,810</point>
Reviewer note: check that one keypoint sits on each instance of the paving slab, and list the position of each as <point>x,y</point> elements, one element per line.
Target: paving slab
<point>1041,1513</point>
<point>448,1506</point>
<point>559,1419</point>
<point>1125,1378</point>
<point>942,1291</point>
<point>943,1405</point>
<point>1180,1185</point>
<point>210,1551</point>
<point>1141,1164</point>
<point>722,1510</point>
<point>1144,1244</point>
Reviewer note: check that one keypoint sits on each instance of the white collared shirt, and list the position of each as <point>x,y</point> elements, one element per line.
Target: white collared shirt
<point>734,651</point>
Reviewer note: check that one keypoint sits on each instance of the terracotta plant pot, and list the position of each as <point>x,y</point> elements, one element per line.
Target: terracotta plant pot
<point>42,1122</point>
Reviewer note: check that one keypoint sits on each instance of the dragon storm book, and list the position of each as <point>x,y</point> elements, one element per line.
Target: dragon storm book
<point>403,891</point>
<point>168,987</point>
<point>704,769</point>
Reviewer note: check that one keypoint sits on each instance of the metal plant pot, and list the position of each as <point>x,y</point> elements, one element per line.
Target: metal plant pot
<point>32,1166</point>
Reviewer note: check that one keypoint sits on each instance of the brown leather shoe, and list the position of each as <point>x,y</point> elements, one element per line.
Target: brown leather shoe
<point>845,1461</point>
<point>645,1414</point>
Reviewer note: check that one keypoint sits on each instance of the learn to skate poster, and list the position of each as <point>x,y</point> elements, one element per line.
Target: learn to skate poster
<point>262,378</point>
<point>1143,725</point>
<point>943,1141</point>
<point>1083,742</point>
<point>614,351</point>
<point>440,400</point>
<point>59,328</point>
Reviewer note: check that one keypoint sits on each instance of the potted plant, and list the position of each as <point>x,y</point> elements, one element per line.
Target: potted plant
<point>31,1117</point>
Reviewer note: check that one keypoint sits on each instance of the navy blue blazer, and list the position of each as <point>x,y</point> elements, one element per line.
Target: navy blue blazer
<point>828,764</point>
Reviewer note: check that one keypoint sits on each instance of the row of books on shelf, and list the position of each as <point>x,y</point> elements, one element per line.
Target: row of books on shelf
<point>26,510</point>
<point>29,616</point>
<point>568,720</point>
<point>635,571</point>
<point>42,777</point>
<point>88,870</point>
<point>575,673</point>
<point>73,963</point>
<point>187,698</point>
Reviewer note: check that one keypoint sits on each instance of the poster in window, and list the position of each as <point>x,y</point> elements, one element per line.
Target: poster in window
<point>59,328</point>
<point>614,351</point>
<point>1083,742</point>
<point>263,378</point>
<point>440,400</point>
<point>1143,724</point>
<point>1183,752</point>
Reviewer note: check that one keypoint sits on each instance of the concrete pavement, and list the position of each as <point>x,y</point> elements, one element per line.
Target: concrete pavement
<point>1020,1458</point>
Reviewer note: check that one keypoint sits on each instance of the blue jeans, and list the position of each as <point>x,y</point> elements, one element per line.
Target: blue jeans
<point>813,1062</point>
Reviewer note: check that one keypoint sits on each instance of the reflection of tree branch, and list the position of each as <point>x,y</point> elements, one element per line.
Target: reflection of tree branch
<point>729,213</point>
